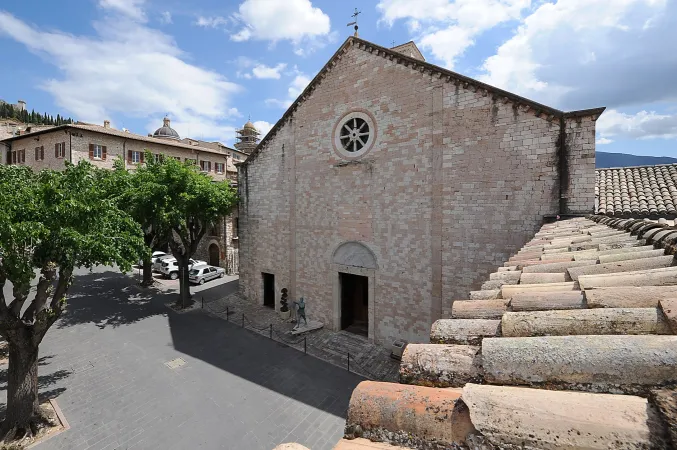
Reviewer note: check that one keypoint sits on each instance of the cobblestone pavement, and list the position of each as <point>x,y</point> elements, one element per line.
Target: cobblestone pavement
<point>105,362</point>
<point>369,360</point>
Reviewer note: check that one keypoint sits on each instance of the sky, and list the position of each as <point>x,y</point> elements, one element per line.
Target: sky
<point>211,65</point>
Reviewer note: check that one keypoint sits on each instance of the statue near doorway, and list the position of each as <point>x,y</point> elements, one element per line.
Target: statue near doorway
<point>307,325</point>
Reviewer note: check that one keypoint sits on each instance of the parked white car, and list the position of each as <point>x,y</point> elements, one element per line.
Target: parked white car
<point>157,262</point>
<point>170,268</point>
<point>199,275</point>
<point>153,257</point>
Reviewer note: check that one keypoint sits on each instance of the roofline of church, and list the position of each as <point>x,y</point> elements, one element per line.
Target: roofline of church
<point>406,60</point>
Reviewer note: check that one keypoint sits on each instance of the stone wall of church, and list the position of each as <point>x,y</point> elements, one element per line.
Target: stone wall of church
<point>456,181</point>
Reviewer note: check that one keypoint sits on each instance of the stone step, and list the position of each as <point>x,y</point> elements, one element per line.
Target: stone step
<point>603,259</point>
<point>585,322</point>
<point>479,309</point>
<point>463,331</point>
<point>628,297</point>
<point>666,276</point>
<point>441,365</point>
<point>507,269</point>
<point>524,264</point>
<point>544,301</point>
<point>492,285</point>
<point>413,416</point>
<point>517,417</point>
<point>540,278</point>
<point>627,364</point>
<point>485,294</point>
<point>559,267</point>
<point>512,290</point>
<point>622,266</point>
<point>364,444</point>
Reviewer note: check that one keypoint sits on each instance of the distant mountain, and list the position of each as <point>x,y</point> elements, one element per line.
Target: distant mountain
<point>605,160</point>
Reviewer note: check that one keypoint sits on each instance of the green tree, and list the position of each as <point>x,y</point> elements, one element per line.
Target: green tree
<point>50,223</point>
<point>182,204</point>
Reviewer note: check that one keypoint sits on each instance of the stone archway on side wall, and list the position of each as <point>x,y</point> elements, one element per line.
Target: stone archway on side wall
<point>354,260</point>
<point>354,254</point>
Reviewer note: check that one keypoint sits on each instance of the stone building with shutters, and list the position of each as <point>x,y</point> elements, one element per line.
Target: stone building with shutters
<point>101,145</point>
<point>392,187</point>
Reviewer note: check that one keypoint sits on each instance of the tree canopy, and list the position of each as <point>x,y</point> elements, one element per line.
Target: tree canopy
<point>51,222</point>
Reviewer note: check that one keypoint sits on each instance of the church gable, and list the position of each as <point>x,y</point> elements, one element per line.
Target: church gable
<point>409,49</point>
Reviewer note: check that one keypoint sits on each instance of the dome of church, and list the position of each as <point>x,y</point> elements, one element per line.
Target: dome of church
<point>165,131</point>
<point>249,126</point>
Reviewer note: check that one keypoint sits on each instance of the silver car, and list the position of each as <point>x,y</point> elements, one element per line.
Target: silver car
<point>201,274</point>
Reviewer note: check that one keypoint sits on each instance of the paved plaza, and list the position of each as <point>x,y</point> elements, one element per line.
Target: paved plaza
<point>129,373</point>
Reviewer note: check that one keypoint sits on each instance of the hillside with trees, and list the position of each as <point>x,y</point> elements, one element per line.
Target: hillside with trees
<point>7,111</point>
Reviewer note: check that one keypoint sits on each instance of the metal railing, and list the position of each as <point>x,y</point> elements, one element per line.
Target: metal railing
<point>300,344</point>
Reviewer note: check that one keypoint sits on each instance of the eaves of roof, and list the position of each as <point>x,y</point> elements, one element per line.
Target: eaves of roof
<point>450,76</point>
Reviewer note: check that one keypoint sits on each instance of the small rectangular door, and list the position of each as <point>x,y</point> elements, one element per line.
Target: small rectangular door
<point>268,290</point>
<point>354,303</point>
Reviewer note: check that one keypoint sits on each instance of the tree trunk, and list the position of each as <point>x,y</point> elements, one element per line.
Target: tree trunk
<point>147,272</point>
<point>22,386</point>
<point>184,284</point>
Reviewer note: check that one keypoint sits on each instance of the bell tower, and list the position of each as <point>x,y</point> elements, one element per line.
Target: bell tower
<point>247,138</point>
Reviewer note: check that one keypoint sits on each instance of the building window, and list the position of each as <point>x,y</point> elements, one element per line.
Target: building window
<point>205,166</point>
<point>236,157</point>
<point>218,167</point>
<point>354,134</point>
<point>97,151</point>
<point>60,150</point>
<point>178,158</point>
<point>40,153</point>
<point>136,157</point>
<point>16,157</point>
<point>158,157</point>
<point>191,161</point>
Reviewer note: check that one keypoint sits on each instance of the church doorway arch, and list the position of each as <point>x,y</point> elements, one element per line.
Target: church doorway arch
<point>214,255</point>
<point>354,266</point>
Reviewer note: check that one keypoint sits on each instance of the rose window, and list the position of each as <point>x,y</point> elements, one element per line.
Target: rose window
<point>354,134</point>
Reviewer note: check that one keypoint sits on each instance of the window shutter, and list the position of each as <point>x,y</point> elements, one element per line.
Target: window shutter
<point>37,153</point>
<point>63,149</point>
<point>56,150</point>
<point>9,157</point>
<point>23,155</point>
<point>209,166</point>
<point>91,151</point>
<point>141,155</point>
<point>42,153</point>
<point>103,152</point>
<point>129,156</point>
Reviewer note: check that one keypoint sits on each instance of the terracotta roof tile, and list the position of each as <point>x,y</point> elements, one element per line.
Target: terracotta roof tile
<point>637,191</point>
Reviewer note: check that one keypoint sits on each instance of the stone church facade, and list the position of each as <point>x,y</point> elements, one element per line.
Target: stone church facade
<point>392,187</point>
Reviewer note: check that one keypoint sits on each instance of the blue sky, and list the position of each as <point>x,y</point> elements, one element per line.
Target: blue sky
<point>211,64</point>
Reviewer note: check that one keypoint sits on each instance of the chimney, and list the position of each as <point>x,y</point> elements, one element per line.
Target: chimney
<point>106,123</point>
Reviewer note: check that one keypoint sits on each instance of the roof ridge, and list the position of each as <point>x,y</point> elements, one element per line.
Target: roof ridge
<point>370,46</point>
<point>635,167</point>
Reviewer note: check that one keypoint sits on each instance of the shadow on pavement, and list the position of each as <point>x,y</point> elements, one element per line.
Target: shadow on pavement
<point>111,299</point>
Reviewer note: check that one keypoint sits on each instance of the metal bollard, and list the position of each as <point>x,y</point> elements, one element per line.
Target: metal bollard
<point>242,320</point>
<point>348,361</point>
<point>227,314</point>
<point>203,302</point>
<point>305,346</point>
<point>271,331</point>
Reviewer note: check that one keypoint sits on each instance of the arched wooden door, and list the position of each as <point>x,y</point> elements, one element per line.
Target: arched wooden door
<point>214,255</point>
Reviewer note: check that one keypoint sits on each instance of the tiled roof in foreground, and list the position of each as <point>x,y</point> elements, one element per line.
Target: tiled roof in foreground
<point>637,191</point>
<point>572,344</point>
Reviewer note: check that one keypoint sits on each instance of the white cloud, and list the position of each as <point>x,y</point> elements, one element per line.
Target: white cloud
<point>585,53</point>
<point>130,8</point>
<point>211,22</point>
<point>166,17</point>
<point>448,27</point>
<point>263,71</point>
<point>642,125</point>
<point>263,127</point>
<point>297,86</point>
<point>275,20</point>
<point>603,141</point>
<point>126,69</point>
